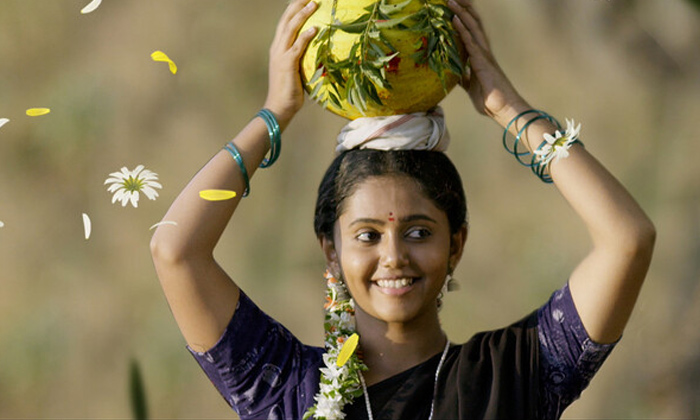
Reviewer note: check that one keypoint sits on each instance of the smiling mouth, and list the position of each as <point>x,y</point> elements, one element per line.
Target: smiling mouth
<point>395,284</point>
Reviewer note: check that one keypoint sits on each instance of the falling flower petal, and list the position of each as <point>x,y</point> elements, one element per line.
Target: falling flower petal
<point>37,112</point>
<point>2,224</point>
<point>217,195</point>
<point>348,349</point>
<point>4,121</point>
<point>87,225</point>
<point>161,56</point>
<point>164,222</point>
<point>94,4</point>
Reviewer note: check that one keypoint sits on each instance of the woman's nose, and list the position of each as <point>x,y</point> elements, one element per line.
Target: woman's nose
<point>394,252</point>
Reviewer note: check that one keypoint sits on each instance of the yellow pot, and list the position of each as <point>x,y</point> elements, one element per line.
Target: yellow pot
<point>414,87</point>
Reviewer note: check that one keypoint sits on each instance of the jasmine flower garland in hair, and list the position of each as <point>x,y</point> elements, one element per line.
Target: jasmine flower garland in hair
<point>340,382</point>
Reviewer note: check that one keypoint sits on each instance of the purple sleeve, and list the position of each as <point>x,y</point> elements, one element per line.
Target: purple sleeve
<point>568,356</point>
<point>260,368</point>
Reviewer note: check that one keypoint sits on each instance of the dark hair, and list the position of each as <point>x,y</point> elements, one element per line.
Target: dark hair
<point>433,172</point>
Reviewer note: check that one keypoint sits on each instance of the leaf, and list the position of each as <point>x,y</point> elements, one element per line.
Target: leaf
<point>137,392</point>
<point>390,9</point>
<point>355,27</point>
<point>317,76</point>
<point>381,61</point>
<point>374,75</point>
<point>391,23</point>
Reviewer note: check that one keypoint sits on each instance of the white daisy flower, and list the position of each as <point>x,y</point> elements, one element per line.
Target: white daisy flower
<point>126,185</point>
<point>557,146</point>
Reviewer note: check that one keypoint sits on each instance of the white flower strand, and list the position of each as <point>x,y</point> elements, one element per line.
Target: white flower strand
<point>557,146</point>
<point>339,385</point>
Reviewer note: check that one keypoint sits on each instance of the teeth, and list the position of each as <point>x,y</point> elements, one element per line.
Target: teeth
<point>395,284</point>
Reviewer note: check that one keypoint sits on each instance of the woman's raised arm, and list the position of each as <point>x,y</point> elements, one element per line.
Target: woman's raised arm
<point>201,295</point>
<point>606,283</point>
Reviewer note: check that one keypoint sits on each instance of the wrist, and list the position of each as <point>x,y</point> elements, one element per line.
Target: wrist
<point>282,115</point>
<point>506,114</point>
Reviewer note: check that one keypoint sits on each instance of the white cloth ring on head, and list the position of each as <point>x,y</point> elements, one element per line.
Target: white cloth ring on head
<point>416,131</point>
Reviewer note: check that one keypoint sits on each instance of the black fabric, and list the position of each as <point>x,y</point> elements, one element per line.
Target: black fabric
<point>492,376</point>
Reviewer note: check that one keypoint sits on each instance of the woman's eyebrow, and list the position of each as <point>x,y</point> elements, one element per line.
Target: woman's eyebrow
<point>405,219</point>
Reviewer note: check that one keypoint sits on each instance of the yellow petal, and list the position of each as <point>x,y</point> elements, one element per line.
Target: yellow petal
<point>217,195</point>
<point>164,222</point>
<point>161,56</point>
<point>37,112</point>
<point>94,4</point>
<point>87,225</point>
<point>348,349</point>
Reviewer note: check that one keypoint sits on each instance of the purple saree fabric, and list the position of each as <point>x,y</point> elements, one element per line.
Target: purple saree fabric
<point>543,362</point>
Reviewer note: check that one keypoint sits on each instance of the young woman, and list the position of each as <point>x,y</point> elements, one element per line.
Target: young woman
<point>392,225</point>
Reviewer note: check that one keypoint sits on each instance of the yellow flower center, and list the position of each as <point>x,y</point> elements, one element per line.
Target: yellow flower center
<point>133,184</point>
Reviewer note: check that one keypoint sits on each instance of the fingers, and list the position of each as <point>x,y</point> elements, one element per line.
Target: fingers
<point>302,41</point>
<point>468,22</point>
<point>292,20</point>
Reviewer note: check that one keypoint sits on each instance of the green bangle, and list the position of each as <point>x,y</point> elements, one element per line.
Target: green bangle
<point>273,130</point>
<point>239,160</point>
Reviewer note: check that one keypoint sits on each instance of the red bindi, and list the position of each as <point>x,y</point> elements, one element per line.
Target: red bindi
<point>391,217</point>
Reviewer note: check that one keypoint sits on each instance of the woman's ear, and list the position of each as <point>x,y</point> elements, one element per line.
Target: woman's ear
<point>328,247</point>
<point>459,238</point>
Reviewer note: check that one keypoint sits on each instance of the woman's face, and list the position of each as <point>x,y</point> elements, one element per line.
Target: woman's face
<point>393,247</point>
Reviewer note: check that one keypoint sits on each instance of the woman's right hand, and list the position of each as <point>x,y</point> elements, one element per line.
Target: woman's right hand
<point>286,94</point>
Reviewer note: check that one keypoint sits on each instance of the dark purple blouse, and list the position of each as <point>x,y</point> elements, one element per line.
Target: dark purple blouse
<point>535,367</point>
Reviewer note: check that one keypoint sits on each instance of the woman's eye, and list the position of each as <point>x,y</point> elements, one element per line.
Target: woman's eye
<point>367,236</point>
<point>418,233</point>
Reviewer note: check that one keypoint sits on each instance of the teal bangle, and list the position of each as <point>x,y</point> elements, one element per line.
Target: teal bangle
<point>239,160</point>
<point>514,151</point>
<point>539,170</point>
<point>273,130</point>
<point>517,140</point>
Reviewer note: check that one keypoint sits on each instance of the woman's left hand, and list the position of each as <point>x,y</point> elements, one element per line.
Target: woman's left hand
<point>285,91</point>
<point>489,89</point>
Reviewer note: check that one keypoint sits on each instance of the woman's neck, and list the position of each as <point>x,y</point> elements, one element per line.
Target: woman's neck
<point>391,348</point>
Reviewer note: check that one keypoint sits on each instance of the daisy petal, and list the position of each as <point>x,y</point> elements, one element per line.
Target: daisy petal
<point>112,188</point>
<point>37,112</point>
<point>150,193</point>
<point>125,198</point>
<point>153,184</point>
<point>4,121</point>
<point>164,222</point>
<point>135,199</point>
<point>2,224</point>
<point>87,225</point>
<point>94,4</point>
<point>161,56</point>
<point>217,195</point>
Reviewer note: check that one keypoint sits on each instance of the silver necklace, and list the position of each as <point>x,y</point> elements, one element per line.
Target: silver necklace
<point>432,403</point>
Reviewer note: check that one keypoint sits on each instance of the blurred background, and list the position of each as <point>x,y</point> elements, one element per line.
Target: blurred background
<point>75,313</point>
